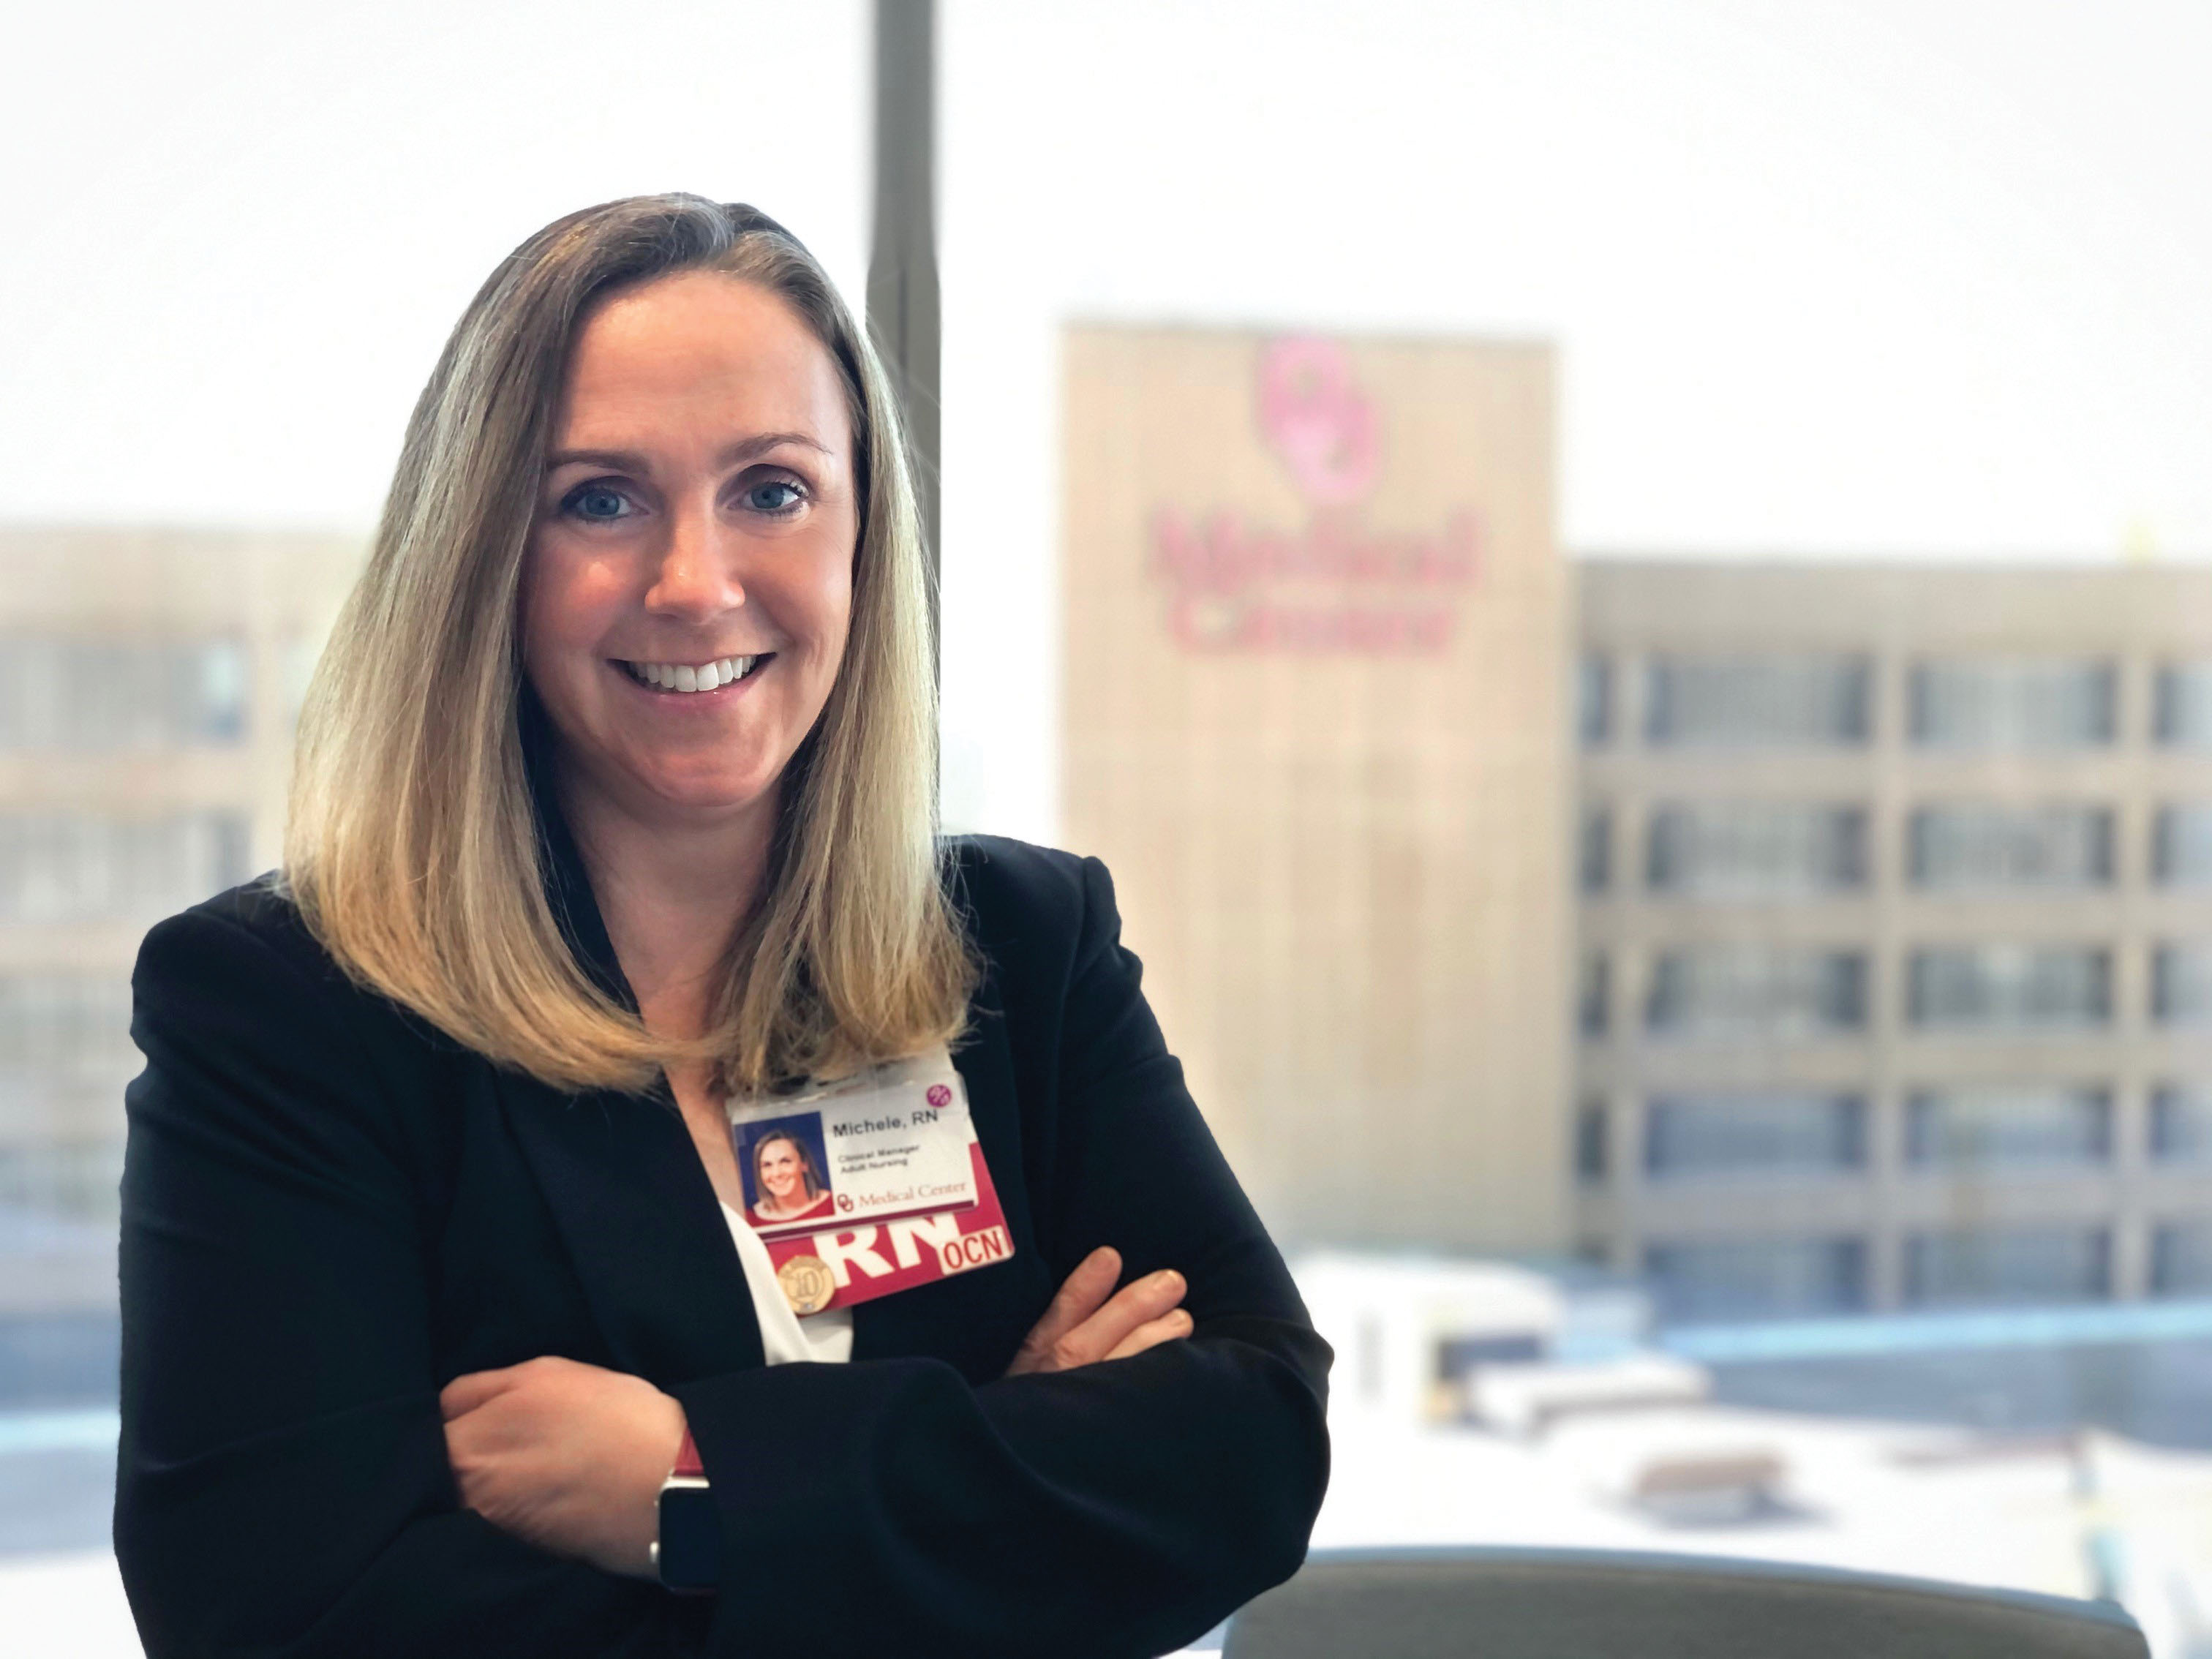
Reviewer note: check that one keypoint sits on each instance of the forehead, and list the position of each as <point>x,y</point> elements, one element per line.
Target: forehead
<point>701,355</point>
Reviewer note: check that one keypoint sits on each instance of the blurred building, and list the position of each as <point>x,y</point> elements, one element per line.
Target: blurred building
<point>1893,883</point>
<point>148,683</point>
<point>1317,659</point>
<point>1896,932</point>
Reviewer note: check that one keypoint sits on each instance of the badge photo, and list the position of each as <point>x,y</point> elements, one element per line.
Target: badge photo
<point>785,1169</point>
<point>890,1141</point>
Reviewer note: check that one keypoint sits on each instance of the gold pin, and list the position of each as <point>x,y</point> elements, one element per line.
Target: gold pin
<point>806,1284</point>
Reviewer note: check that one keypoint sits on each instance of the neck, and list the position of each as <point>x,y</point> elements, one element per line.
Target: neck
<point>674,893</point>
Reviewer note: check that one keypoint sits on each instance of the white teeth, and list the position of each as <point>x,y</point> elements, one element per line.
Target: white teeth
<point>685,677</point>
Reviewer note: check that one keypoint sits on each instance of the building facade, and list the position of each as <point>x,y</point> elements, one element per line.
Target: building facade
<point>1316,667</point>
<point>1890,884</point>
<point>149,684</point>
<point>1896,932</point>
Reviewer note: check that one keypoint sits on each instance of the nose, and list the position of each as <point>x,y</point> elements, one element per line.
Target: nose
<point>697,578</point>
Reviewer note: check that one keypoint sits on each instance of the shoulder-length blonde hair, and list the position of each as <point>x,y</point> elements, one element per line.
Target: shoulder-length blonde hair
<point>413,847</point>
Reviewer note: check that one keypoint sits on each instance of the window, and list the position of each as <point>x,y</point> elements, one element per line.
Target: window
<point>2008,1127</point>
<point>2181,1124</point>
<point>2183,719</point>
<point>120,694</point>
<point>1757,991</point>
<point>1755,849</point>
<point>2015,1265</point>
<point>1594,852</point>
<point>2018,988</point>
<point>77,866</point>
<point>1590,1142</point>
<point>2013,703</point>
<point>65,1053</point>
<point>2181,845</point>
<point>1963,847</point>
<point>2181,1259</point>
<point>1594,994</point>
<point>72,1178</point>
<point>1753,1133</point>
<point>1757,1279</point>
<point>1594,699</point>
<point>1765,702</point>
<point>65,1023</point>
<point>2181,983</point>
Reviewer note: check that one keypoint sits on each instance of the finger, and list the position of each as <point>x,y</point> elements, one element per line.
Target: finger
<point>1136,1304</point>
<point>1153,1332</point>
<point>465,1394</point>
<point>1080,1295</point>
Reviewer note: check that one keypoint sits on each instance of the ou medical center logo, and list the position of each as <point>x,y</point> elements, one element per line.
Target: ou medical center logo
<point>1335,584</point>
<point>1320,422</point>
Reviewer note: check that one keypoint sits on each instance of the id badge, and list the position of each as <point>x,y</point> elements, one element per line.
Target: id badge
<point>869,1186</point>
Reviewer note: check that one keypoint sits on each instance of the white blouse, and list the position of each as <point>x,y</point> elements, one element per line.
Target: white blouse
<point>825,1338</point>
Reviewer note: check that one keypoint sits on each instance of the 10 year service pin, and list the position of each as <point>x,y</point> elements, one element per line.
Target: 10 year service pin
<point>807,1284</point>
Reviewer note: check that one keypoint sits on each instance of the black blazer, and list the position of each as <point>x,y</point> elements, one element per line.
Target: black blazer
<point>330,1210</point>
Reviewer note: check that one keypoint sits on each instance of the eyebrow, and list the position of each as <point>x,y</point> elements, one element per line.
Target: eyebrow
<point>628,460</point>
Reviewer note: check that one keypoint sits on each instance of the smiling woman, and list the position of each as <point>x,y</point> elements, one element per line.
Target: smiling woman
<point>449,1323</point>
<point>638,455</point>
<point>748,545</point>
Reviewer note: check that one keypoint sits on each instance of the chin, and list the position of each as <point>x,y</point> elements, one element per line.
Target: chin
<point>712,794</point>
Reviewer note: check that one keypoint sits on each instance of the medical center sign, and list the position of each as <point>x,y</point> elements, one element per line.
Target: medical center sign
<point>1333,583</point>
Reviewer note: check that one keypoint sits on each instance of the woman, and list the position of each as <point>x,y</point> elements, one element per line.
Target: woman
<point>789,1186</point>
<point>612,813</point>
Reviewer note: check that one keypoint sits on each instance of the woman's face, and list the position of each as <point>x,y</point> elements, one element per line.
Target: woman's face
<point>779,1171</point>
<point>688,588</point>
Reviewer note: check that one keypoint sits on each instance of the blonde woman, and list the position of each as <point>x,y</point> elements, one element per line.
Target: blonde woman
<point>612,812</point>
<point>787,1183</point>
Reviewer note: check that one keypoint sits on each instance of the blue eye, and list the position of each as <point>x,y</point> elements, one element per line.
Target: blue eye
<point>595,503</point>
<point>775,495</point>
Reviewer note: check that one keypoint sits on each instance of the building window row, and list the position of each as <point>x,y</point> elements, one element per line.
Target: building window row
<point>68,867</point>
<point>1725,1134</point>
<point>1768,850</point>
<point>1771,992</point>
<point>1751,701</point>
<point>95,694</point>
<point>76,1178</point>
<point>1968,1268</point>
<point>64,1023</point>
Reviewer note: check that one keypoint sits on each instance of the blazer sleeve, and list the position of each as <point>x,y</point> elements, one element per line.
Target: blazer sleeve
<point>282,1487</point>
<point>1117,1510</point>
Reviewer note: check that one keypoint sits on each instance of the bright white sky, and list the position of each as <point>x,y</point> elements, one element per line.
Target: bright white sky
<point>1906,276</point>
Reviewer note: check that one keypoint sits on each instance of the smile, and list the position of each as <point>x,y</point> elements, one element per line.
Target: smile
<point>694,676</point>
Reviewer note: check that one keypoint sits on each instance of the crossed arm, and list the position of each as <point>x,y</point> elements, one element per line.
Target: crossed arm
<point>571,1457</point>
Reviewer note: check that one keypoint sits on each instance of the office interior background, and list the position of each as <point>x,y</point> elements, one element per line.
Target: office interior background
<point>1679,870</point>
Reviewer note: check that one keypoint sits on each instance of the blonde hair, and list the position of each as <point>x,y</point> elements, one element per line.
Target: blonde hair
<point>412,849</point>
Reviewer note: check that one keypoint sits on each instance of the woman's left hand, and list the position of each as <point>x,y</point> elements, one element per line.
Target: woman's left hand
<point>567,1457</point>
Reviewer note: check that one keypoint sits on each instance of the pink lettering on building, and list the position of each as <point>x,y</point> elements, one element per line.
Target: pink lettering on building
<point>1332,584</point>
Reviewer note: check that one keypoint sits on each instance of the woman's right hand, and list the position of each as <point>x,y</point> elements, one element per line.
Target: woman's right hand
<point>1090,1321</point>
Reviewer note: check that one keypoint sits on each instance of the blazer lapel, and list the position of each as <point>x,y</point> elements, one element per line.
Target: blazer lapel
<point>643,1229</point>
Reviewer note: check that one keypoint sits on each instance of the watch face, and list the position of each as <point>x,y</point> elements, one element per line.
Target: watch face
<point>690,1555</point>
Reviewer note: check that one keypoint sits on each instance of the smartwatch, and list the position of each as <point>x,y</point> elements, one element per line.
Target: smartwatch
<point>688,1553</point>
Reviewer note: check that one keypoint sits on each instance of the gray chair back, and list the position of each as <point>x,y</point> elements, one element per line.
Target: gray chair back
<point>1600,1604</point>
